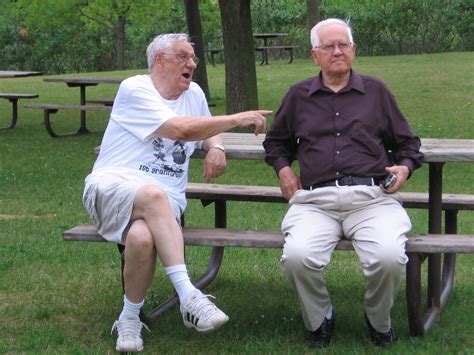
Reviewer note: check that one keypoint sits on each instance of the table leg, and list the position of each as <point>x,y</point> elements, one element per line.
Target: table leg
<point>14,102</point>
<point>83,129</point>
<point>434,226</point>
<point>440,275</point>
<point>265,52</point>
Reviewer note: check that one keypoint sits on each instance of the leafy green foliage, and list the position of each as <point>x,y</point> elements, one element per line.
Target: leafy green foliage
<point>85,35</point>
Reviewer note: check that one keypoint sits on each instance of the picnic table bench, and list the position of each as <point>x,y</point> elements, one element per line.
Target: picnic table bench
<point>212,52</point>
<point>49,109</point>
<point>266,49</point>
<point>432,246</point>
<point>13,98</point>
<point>84,104</point>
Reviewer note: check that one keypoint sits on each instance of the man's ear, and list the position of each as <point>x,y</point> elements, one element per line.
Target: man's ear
<point>314,56</point>
<point>158,59</point>
<point>354,48</point>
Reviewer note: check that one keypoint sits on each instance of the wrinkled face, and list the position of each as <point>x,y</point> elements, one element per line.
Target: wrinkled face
<point>335,53</point>
<point>177,66</point>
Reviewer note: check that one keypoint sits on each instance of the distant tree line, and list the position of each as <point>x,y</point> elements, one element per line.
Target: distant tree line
<point>66,36</point>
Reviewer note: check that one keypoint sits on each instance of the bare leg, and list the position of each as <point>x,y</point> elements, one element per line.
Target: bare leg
<point>151,204</point>
<point>155,231</point>
<point>140,261</point>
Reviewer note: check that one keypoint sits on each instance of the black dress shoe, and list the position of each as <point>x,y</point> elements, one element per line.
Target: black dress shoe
<point>380,339</point>
<point>321,337</point>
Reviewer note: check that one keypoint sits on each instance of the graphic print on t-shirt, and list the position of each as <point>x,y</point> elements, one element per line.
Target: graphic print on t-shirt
<point>169,158</point>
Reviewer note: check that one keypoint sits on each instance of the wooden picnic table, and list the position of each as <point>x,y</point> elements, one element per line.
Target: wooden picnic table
<point>266,37</point>
<point>437,152</point>
<point>18,74</point>
<point>441,266</point>
<point>83,83</point>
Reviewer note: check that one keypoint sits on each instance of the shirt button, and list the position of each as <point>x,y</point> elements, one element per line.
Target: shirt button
<point>338,134</point>
<point>337,152</point>
<point>337,113</point>
<point>337,173</point>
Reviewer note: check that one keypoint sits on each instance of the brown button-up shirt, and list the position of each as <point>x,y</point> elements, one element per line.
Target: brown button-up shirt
<point>355,132</point>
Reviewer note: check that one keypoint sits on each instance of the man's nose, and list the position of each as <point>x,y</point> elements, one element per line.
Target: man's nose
<point>337,50</point>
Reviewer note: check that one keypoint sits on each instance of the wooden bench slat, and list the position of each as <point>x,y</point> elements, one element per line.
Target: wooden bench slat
<point>69,107</point>
<point>103,102</point>
<point>224,192</point>
<point>260,48</point>
<point>18,96</point>
<point>223,237</point>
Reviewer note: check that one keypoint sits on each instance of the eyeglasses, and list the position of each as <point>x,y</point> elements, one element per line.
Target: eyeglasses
<point>183,58</point>
<point>329,48</point>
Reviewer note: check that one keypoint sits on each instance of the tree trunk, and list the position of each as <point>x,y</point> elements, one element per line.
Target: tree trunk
<point>120,43</point>
<point>193,21</point>
<point>240,72</point>
<point>313,13</point>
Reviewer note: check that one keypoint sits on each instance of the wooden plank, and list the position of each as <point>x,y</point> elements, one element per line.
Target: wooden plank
<point>18,74</point>
<point>103,102</point>
<point>18,96</point>
<point>260,48</point>
<point>223,237</point>
<point>68,107</point>
<point>224,192</point>
<point>247,146</point>
<point>85,80</point>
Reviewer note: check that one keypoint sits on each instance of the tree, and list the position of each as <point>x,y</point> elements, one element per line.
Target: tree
<point>313,12</point>
<point>193,21</point>
<point>111,15</point>
<point>240,72</point>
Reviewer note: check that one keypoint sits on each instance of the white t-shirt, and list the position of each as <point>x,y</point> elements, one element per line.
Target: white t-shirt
<point>129,146</point>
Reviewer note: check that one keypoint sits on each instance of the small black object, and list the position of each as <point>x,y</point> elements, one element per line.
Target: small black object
<point>389,181</point>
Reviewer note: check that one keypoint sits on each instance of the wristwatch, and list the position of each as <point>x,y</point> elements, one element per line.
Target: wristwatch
<point>218,146</point>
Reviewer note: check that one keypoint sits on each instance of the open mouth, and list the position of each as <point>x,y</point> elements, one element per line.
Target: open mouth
<point>187,75</point>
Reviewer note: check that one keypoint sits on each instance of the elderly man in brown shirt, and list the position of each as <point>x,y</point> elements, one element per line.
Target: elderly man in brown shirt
<point>348,135</point>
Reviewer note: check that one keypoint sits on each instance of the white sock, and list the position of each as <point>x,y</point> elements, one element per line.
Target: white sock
<point>130,309</point>
<point>329,314</point>
<point>179,277</point>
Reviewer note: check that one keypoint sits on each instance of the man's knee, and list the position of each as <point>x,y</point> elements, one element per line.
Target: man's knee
<point>151,195</point>
<point>140,239</point>
<point>390,256</point>
<point>150,199</point>
<point>298,256</point>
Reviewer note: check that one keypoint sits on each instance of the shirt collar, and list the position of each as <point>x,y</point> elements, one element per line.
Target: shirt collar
<point>355,83</point>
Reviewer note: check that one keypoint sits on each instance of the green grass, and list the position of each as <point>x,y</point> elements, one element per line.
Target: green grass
<point>59,297</point>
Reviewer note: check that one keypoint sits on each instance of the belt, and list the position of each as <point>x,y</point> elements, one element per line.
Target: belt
<point>346,181</point>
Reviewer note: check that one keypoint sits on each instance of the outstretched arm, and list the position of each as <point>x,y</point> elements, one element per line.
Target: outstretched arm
<point>194,128</point>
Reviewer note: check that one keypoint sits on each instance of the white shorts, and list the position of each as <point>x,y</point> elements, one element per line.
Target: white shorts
<point>108,199</point>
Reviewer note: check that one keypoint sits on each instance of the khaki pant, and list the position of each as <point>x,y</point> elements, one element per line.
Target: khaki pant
<point>376,223</point>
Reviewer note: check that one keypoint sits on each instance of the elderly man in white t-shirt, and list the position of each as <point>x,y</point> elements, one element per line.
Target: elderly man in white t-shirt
<point>135,193</point>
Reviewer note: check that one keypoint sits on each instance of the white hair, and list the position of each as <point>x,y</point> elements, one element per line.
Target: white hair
<point>330,21</point>
<point>162,43</point>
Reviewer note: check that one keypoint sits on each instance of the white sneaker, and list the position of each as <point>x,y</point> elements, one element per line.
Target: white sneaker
<point>129,334</point>
<point>201,314</point>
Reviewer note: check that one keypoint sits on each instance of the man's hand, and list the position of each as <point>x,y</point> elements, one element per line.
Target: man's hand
<point>214,164</point>
<point>253,119</point>
<point>289,182</point>
<point>402,173</point>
